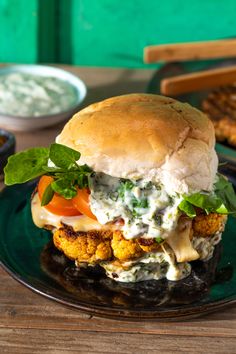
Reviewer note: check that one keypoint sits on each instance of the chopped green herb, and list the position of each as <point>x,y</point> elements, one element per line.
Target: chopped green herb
<point>126,185</point>
<point>135,214</point>
<point>113,196</point>
<point>139,203</point>
<point>149,185</point>
<point>158,218</point>
<point>159,239</point>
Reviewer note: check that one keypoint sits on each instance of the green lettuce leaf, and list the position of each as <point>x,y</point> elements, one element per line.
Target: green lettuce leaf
<point>187,208</point>
<point>63,156</point>
<point>26,165</point>
<point>222,200</point>
<point>66,173</point>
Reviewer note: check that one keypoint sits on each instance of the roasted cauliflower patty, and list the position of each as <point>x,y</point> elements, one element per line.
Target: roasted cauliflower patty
<point>96,245</point>
<point>207,225</point>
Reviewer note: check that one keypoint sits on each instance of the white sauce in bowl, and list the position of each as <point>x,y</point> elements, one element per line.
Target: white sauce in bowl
<point>27,95</point>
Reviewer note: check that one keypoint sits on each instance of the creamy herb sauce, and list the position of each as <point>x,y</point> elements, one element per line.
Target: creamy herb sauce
<point>160,265</point>
<point>205,245</point>
<point>28,95</point>
<point>145,207</point>
<point>156,266</point>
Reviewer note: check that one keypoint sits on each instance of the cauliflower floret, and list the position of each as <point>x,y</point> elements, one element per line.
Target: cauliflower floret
<point>207,225</point>
<point>85,247</point>
<point>100,245</point>
<point>125,249</point>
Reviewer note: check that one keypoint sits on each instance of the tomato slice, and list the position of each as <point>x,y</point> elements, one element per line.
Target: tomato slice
<point>81,202</point>
<point>58,205</point>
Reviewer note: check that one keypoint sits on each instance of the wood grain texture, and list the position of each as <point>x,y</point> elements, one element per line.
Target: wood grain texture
<point>30,323</point>
<point>34,341</point>
<point>190,51</point>
<point>15,313</point>
<point>198,81</point>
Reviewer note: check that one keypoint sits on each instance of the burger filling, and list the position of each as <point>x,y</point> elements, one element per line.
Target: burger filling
<point>142,259</point>
<point>140,232</point>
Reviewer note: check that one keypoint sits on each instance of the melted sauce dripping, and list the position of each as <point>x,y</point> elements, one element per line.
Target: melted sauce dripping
<point>90,285</point>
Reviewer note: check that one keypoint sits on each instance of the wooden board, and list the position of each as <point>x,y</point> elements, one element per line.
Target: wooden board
<point>30,322</point>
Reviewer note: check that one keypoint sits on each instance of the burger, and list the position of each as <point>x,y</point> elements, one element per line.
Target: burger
<point>131,185</point>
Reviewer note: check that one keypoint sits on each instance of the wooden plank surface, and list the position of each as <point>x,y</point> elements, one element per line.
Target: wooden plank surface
<point>15,313</point>
<point>49,341</point>
<point>30,323</point>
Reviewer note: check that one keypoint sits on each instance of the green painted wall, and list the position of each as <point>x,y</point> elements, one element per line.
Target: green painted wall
<point>106,32</point>
<point>112,32</point>
<point>18,31</point>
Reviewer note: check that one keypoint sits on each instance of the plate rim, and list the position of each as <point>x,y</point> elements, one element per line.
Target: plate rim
<point>120,314</point>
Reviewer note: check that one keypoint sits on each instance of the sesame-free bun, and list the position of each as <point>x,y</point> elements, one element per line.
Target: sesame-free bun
<point>146,136</point>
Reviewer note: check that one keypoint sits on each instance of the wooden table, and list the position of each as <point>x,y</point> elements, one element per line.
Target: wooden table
<point>30,323</point>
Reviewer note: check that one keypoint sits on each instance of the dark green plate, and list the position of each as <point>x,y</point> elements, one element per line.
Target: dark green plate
<point>194,98</point>
<point>30,258</point>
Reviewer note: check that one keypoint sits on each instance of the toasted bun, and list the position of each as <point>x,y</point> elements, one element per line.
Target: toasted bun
<point>146,136</point>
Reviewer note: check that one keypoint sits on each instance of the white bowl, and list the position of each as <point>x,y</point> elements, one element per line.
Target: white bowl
<point>18,123</point>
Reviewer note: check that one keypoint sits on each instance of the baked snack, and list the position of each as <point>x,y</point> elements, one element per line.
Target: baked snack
<point>220,106</point>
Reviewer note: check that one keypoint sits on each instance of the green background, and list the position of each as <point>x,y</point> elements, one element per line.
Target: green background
<point>106,32</point>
